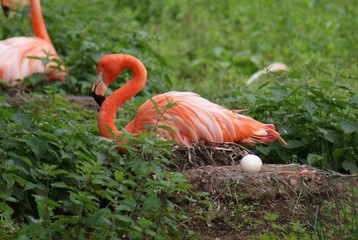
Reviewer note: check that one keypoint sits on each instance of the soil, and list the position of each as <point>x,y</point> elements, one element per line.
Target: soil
<point>295,193</point>
<point>291,191</point>
<point>242,200</point>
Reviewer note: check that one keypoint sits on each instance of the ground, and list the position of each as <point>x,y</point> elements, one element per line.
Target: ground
<point>291,194</point>
<point>281,199</point>
<point>278,200</point>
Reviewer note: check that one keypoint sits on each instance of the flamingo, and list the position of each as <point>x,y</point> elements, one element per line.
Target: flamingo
<point>192,118</point>
<point>15,52</point>
<point>274,67</point>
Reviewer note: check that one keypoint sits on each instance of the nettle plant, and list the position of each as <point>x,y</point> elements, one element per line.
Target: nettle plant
<point>318,121</point>
<point>60,180</point>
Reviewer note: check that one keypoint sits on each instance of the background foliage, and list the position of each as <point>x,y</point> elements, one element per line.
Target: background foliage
<point>57,172</point>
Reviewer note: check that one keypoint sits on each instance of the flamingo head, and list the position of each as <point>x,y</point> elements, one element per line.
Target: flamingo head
<point>99,89</point>
<point>107,71</point>
<point>5,7</point>
<point>110,66</point>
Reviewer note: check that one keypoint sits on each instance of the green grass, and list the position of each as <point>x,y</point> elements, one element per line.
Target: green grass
<point>208,42</point>
<point>209,47</point>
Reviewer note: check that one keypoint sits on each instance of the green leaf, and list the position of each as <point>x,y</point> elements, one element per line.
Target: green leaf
<point>294,144</point>
<point>326,84</point>
<point>167,128</point>
<point>38,146</point>
<point>170,105</point>
<point>43,202</point>
<point>5,208</point>
<point>123,218</point>
<point>314,159</point>
<point>350,166</point>
<point>32,231</point>
<point>338,152</point>
<point>100,156</point>
<point>59,185</point>
<point>61,132</point>
<point>151,203</point>
<point>332,136</point>
<point>355,100</point>
<point>156,107</point>
<point>123,207</point>
<point>278,227</point>
<point>148,127</point>
<point>279,94</point>
<point>271,217</point>
<point>22,119</point>
<point>345,86</point>
<point>99,218</point>
<point>129,182</point>
<point>323,131</point>
<point>7,198</point>
<point>285,129</point>
<point>118,176</point>
<point>26,160</point>
<point>31,185</point>
<point>348,126</point>
<point>265,150</point>
<point>263,85</point>
<point>21,181</point>
<point>310,106</point>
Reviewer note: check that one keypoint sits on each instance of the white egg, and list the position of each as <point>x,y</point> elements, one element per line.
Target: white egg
<point>250,164</point>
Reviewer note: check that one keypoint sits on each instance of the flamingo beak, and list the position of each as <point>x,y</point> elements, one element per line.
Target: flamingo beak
<point>99,89</point>
<point>5,9</point>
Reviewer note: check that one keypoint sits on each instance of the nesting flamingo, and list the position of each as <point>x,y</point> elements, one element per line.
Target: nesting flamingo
<point>192,118</point>
<point>15,63</point>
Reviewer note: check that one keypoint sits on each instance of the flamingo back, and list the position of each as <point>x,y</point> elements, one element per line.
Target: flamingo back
<point>15,64</point>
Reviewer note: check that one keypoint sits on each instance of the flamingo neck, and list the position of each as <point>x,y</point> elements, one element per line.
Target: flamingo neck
<point>38,23</point>
<point>110,106</point>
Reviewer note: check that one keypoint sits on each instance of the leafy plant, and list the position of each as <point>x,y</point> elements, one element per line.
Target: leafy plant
<point>318,122</point>
<point>59,180</point>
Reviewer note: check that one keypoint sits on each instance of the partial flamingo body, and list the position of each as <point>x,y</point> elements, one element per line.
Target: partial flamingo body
<point>192,119</point>
<point>275,67</point>
<point>15,63</point>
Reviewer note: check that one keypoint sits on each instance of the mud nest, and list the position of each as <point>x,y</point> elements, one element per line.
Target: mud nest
<point>214,154</point>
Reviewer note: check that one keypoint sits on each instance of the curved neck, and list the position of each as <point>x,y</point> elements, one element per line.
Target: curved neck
<point>38,23</point>
<point>112,67</point>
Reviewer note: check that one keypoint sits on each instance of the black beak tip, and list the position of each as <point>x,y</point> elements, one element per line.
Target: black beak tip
<point>6,10</point>
<point>98,98</point>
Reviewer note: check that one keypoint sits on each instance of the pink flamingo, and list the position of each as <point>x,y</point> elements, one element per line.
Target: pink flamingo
<point>15,63</point>
<point>192,119</point>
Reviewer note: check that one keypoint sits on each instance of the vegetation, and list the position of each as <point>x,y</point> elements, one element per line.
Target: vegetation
<point>64,182</point>
<point>60,180</point>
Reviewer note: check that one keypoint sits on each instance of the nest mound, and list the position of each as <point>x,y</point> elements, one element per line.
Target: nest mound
<point>215,154</point>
